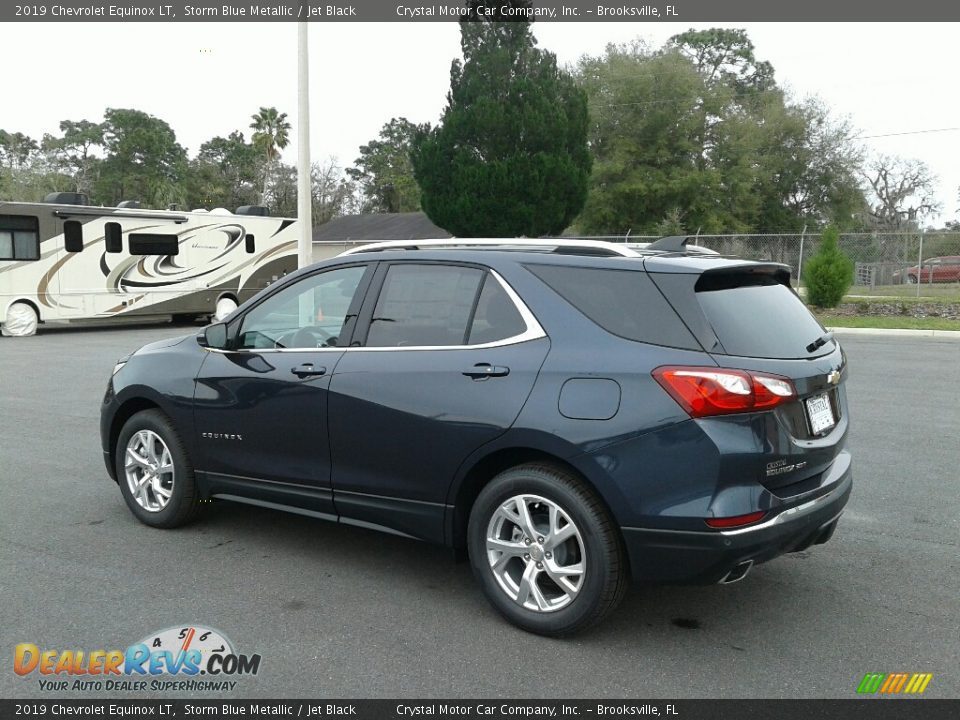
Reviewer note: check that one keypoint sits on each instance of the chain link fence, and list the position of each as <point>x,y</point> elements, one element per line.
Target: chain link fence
<point>904,264</point>
<point>896,264</point>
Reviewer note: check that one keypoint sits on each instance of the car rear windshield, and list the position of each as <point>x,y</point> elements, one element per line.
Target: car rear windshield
<point>759,317</point>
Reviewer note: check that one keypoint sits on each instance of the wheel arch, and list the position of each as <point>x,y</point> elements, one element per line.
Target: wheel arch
<point>25,301</point>
<point>480,470</point>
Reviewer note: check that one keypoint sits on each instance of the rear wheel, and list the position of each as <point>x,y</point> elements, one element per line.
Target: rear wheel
<point>545,551</point>
<point>154,471</point>
<point>22,320</point>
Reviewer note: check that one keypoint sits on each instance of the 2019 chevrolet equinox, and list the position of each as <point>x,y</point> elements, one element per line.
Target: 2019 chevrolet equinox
<point>574,415</point>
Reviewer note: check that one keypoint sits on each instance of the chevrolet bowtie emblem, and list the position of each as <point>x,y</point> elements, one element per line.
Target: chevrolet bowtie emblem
<point>834,377</point>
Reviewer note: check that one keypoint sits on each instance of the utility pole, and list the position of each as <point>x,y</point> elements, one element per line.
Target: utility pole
<point>304,194</point>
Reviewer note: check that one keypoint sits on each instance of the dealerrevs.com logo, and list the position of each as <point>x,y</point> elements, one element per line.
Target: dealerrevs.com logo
<point>183,658</point>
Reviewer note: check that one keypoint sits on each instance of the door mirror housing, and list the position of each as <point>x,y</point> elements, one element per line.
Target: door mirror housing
<point>214,336</point>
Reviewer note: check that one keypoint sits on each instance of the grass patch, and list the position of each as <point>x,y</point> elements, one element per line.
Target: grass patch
<point>888,322</point>
<point>945,292</point>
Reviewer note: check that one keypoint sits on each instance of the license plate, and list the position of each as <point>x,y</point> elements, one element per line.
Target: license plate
<point>820,413</point>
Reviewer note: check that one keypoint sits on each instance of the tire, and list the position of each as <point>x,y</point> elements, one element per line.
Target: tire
<point>911,279</point>
<point>22,320</point>
<point>594,546</point>
<point>225,306</point>
<point>147,434</point>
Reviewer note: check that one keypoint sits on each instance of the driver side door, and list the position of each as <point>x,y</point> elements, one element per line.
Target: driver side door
<point>261,406</point>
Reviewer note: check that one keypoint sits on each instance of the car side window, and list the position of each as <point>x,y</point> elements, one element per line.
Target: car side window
<point>424,305</point>
<point>310,313</point>
<point>496,317</point>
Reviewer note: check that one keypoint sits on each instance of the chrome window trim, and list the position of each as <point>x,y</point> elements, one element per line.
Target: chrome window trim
<point>534,331</point>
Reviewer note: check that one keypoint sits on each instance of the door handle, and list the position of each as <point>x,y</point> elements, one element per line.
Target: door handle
<point>485,370</point>
<point>308,370</point>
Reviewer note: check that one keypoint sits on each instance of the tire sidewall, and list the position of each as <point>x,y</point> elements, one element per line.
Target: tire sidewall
<point>182,471</point>
<point>598,560</point>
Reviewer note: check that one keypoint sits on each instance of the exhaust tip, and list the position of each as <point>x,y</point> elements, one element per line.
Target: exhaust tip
<point>737,574</point>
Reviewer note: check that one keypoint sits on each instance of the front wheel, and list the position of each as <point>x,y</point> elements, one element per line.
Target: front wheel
<point>154,471</point>
<point>911,279</point>
<point>22,320</point>
<point>545,551</point>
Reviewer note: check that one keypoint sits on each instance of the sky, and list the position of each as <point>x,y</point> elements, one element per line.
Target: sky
<point>206,79</point>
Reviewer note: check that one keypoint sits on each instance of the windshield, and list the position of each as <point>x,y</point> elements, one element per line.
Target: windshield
<point>764,320</point>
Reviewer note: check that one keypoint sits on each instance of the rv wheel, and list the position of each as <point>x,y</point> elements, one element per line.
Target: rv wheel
<point>225,306</point>
<point>21,320</point>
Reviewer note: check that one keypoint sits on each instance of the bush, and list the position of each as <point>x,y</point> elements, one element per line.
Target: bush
<point>829,273</point>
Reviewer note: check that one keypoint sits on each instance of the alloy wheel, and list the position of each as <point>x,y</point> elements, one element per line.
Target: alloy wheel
<point>149,470</point>
<point>536,553</point>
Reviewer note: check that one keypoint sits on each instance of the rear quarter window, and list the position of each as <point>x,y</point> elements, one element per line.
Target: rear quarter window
<point>625,303</point>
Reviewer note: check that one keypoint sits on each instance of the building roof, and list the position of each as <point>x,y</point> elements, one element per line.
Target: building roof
<point>380,226</point>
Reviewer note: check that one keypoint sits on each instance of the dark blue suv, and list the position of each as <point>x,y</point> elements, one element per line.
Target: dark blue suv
<point>574,415</point>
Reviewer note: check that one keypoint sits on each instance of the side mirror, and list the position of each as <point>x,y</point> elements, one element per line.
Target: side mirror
<point>214,336</point>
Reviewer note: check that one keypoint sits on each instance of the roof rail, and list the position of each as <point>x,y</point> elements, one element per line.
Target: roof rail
<point>585,247</point>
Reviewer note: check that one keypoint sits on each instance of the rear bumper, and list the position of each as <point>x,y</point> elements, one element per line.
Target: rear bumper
<point>700,558</point>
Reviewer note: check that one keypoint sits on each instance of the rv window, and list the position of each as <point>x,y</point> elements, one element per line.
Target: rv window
<point>153,244</point>
<point>19,237</point>
<point>251,244</point>
<point>113,237</point>
<point>72,236</point>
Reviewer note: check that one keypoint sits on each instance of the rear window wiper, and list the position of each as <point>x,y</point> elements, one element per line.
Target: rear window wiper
<point>819,342</point>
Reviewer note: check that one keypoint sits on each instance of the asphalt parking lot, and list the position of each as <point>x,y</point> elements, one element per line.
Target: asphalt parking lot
<point>337,611</point>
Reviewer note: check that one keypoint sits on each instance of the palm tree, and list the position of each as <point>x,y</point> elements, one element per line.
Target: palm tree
<point>271,132</point>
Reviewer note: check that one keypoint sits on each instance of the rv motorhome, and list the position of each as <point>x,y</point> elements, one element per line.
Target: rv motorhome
<point>64,260</point>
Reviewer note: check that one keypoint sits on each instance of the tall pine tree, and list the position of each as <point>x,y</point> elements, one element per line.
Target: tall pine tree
<point>510,156</point>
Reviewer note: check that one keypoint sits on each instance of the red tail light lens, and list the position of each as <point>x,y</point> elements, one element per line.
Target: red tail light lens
<point>736,521</point>
<point>705,391</point>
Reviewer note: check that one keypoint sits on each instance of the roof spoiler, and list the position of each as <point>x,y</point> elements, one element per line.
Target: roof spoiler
<point>750,273</point>
<point>671,243</point>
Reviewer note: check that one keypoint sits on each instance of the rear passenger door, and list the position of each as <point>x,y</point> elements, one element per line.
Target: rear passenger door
<point>447,356</point>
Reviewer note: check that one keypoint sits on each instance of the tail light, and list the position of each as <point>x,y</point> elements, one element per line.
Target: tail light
<point>705,391</point>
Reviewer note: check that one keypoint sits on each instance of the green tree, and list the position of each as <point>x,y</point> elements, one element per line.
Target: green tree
<point>16,149</point>
<point>510,155</point>
<point>225,173</point>
<point>73,153</point>
<point>829,273</point>
<point>645,136</point>
<point>271,134</point>
<point>384,170</point>
<point>143,160</point>
<point>699,130</point>
<point>25,173</point>
<point>725,56</point>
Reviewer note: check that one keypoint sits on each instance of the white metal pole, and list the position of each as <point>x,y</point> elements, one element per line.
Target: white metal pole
<point>920,264</point>
<point>304,205</point>
<point>803,235</point>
